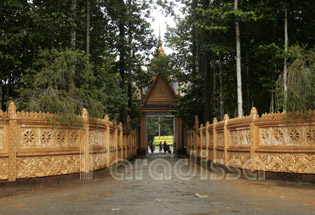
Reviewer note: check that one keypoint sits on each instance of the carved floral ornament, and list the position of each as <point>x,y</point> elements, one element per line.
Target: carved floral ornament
<point>74,137</point>
<point>240,137</point>
<point>41,138</point>
<point>28,138</point>
<point>220,139</point>
<point>46,137</point>
<point>310,135</point>
<point>61,137</point>
<point>287,136</point>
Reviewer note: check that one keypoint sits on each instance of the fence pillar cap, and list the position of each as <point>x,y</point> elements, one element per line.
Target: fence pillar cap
<point>226,117</point>
<point>85,113</point>
<point>120,126</point>
<point>196,123</point>
<point>106,118</point>
<point>12,109</point>
<point>215,120</point>
<point>254,113</point>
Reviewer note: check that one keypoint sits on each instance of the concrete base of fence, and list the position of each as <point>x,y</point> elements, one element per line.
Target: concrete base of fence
<point>8,188</point>
<point>48,180</point>
<point>283,176</point>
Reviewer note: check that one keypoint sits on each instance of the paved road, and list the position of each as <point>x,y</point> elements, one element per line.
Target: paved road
<point>105,195</point>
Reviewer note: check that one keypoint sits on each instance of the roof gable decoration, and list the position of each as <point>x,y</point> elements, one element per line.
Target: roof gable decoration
<point>160,93</point>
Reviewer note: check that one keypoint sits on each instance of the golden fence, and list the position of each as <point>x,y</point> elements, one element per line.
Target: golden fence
<point>30,146</point>
<point>272,142</point>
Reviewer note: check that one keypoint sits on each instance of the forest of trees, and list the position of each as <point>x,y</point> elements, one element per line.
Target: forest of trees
<point>235,55</point>
<point>166,127</point>
<point>60,56</point>
<point>63,55</point>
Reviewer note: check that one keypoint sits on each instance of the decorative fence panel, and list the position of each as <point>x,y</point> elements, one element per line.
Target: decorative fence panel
<point>272,142</point>
<point>31,146</point>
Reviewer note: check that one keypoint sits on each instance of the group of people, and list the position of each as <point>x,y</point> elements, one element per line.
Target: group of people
<point>164,147</point>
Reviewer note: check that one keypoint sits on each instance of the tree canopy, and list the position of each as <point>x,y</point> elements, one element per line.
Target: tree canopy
<point>62,56</point>
<point>205,51</point>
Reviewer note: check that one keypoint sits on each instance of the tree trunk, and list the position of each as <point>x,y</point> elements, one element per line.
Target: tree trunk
<point>73,38</point>
<point>8,87</point>
<point>247,84</point>
<point>272,102</point>
<point>130,59</point>
<point>214,77</point>
<point>207,89</point>
<point>194,42</point>
<point>199,52</point>
<point>238,65</point>
<point>207,72</point>
<point>221,88</point>
<point>285,65</point>
<point>0,94</point>
<point>121,50</point>
<point>88,28</point>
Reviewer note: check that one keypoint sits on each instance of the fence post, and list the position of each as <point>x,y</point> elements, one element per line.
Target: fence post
<point>187,142</point>
<point>107,140</point>
<point>190,141</point>
<point>121,141</point>
<point>201,140</point>
<point>207,139</point>
<point>132,144</point>
<point>116,143</point>
<point>255,137</point>
<point>197,142</point>
<point>12,141</point>
<point>121,136</point>
<point>196,125</point>
<point>85,138</point>
<point>135,142</point>
<point>226,139</point>
<point>126,147</point>
<point>129,145</point>
<point>215,139</point>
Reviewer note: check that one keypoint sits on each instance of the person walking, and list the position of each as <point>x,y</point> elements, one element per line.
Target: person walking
<point>165,146</point>
<point>152,147</point>
<point>161,146</point>
<point>174,147</point>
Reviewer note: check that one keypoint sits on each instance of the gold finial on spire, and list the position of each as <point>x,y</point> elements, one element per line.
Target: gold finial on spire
<point>160,48</point>
<point>160,41</point>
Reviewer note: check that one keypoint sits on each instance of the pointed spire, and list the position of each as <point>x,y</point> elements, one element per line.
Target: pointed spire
<point>160,41</point>
<point>160,49</point>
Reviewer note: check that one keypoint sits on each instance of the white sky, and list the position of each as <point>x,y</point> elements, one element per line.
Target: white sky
<point>162,20</point>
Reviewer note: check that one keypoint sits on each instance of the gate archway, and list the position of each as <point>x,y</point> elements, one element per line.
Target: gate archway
<point>159,100</point>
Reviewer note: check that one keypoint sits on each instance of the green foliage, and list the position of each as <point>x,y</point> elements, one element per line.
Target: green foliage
<point>207,31</point>
<point>161,65</point>
<point>96,88</point>
<point>301,81</point>
<point>166,127</point>
<point>45,84</point>
<point>31,31</point>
